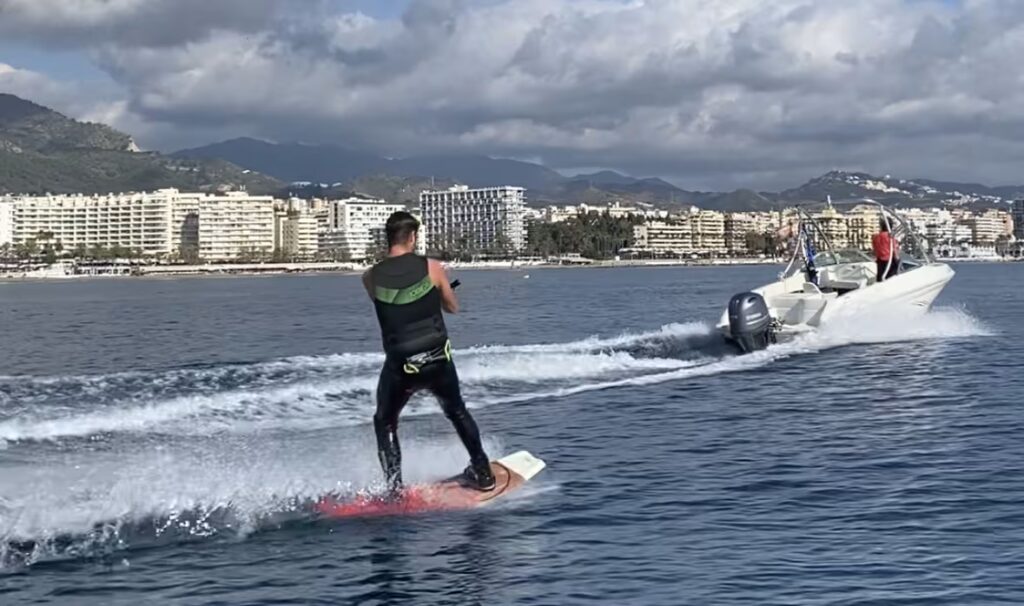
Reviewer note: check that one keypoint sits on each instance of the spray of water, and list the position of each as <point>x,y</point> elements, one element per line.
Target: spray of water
<point>134,457</point>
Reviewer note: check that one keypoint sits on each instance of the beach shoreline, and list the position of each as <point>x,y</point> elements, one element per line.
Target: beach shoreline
<point>60,272</point>
<point>54,273</point>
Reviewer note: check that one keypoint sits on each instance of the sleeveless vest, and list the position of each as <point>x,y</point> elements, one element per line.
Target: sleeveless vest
<point>408,307</point>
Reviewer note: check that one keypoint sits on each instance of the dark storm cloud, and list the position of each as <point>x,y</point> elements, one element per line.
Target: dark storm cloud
<point>147,23</point>
<point>733,92</point>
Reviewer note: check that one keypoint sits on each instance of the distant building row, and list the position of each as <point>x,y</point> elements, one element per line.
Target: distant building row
<point>179,225</point>
<point>704,232</point>
<point>172,224</point>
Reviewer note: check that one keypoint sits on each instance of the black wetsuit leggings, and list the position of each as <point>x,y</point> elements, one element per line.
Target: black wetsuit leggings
<point>394,390</point>
<point>894,269</point>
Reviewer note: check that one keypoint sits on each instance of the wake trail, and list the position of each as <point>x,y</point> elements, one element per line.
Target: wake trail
<point>301,392</point>
<point>309,393</point>
<point>79,499</point>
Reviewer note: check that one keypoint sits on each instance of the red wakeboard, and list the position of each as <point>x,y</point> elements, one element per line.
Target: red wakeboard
<point>510,473</point>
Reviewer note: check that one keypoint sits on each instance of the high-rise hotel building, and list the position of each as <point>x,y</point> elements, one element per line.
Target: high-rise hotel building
<point>236,226</point>
<point>483,220</point>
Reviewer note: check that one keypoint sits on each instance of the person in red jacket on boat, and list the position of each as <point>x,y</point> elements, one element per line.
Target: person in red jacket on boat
<point>887,251</point>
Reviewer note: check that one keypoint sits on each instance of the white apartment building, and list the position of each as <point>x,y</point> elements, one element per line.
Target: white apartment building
<point>987,227</point>
<point>185,225</point>
<point>616,210</point>
<point>296,228</point>
<point>737,226</point>
<point>834,225</point>
<point>300,237</point>
<point>560,214</point>
<point>918,218</point>
<point>482,220</point>
<point>161,223</point>
<point>347,227</point>
<point>295,233</point>
<point>142,222</point>
<point>861,226</point>
<point>962,233</point>
<point>665,237</point>
<point>708,231</point>
<point>236,225</point>
<point>6,222</point>
<point>941,227</point>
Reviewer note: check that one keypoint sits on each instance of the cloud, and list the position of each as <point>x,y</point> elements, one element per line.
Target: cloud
<point>40,88</point>
<point>74,23</point>
<point>712,93</point>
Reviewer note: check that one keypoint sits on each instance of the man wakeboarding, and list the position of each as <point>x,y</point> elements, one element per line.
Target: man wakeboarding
<point>410,293</point>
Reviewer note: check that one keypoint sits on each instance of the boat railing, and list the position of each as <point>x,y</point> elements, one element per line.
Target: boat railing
<point>912,249</point>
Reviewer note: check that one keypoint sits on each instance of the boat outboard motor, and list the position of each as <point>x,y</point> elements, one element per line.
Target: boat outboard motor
<point>750,324</point>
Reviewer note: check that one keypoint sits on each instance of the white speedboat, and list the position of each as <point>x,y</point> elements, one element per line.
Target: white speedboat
<point>822,283</point>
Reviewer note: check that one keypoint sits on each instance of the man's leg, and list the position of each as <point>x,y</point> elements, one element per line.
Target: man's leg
<point>393,392</point>
<point>894,268</point>
<point>880,276</point>
<point>445,385</point>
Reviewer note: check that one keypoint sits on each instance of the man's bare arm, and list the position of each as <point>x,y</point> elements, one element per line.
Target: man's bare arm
<point>440,279</point>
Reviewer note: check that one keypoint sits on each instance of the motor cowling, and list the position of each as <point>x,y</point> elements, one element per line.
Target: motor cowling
<point>750,323</point>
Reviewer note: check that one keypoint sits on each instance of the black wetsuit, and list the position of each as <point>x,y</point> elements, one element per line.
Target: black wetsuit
<point>417,356</point>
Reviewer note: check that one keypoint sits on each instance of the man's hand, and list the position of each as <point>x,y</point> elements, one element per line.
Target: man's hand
<point>440,280</point>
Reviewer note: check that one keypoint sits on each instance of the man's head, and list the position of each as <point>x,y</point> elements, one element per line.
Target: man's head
<point>883,225</point>
<point>401,229</point>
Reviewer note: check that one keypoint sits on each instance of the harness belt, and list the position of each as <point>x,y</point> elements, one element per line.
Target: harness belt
<point>413,364</point>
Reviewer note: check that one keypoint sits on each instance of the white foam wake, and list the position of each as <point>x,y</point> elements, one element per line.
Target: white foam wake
<point>239,481</point>
<point>232,486</point>
<point>491,375</point>
<point>300,394</point>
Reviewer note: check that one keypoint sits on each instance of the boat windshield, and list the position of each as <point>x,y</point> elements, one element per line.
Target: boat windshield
<point>846,255</point>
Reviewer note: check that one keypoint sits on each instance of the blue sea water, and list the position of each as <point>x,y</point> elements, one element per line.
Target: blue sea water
<point>158,439</point>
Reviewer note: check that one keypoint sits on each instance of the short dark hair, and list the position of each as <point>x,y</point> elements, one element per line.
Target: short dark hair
<point>883,224</point>
<point>400,227</point>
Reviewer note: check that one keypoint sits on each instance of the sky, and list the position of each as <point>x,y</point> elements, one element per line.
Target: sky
<point>709,94</point>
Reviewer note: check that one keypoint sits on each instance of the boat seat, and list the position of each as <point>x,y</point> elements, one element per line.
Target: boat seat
<point>847,284</point>
<point>846,277</point>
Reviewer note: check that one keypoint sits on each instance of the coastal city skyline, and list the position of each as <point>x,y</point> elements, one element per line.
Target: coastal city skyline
<point>170,225</point>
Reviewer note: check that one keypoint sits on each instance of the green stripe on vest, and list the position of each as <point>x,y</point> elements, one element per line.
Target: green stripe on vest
<point>404,296</point>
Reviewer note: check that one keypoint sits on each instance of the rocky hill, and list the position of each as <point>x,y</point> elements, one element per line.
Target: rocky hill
<point>44,151</point>
<point>901,192</point>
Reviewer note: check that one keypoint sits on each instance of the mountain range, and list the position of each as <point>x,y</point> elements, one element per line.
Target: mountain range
<point>44,151</point>
<point>350,170</point>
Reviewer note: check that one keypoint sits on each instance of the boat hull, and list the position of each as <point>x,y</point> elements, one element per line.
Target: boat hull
<point>908,292</point>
